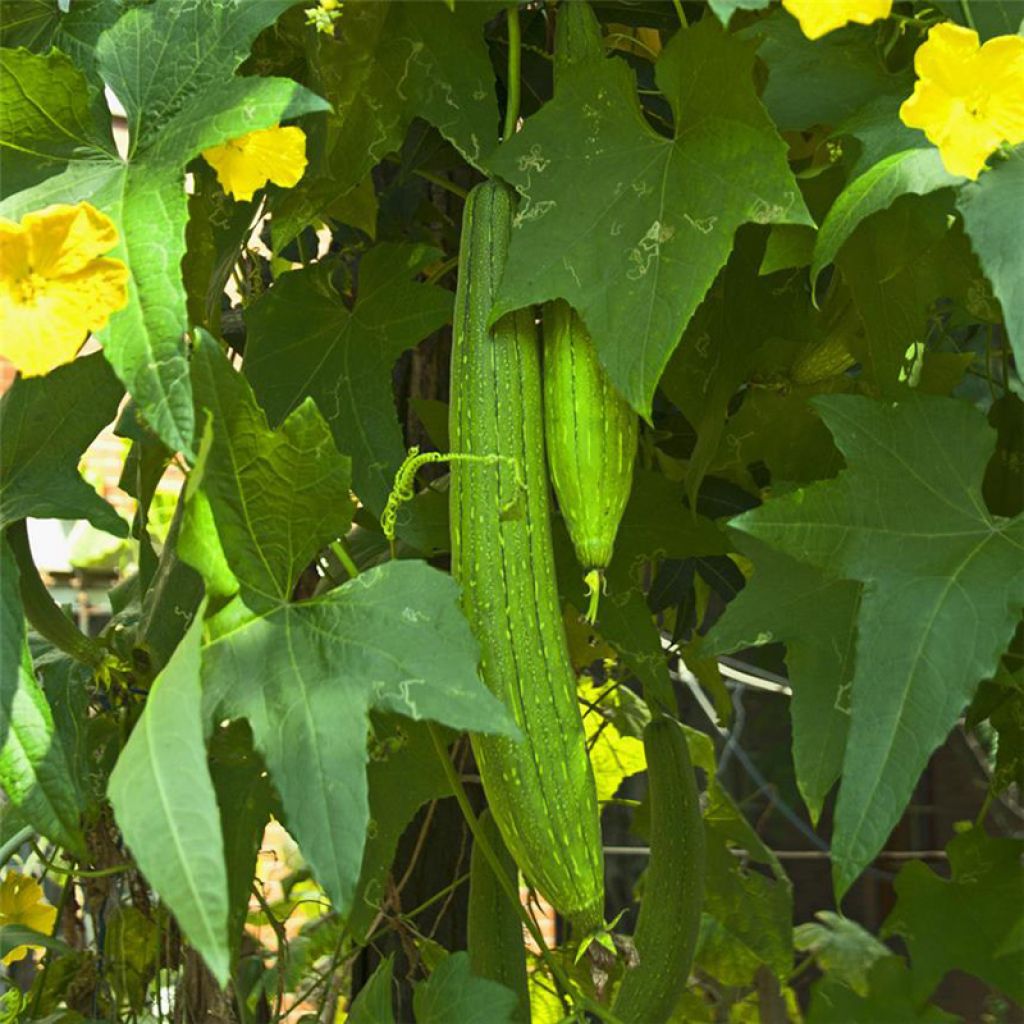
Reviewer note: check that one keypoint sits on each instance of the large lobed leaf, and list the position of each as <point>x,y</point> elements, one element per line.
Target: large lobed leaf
<point>172,67</point>
<point>943,587</point>
<point>307,675</point>
<point>629,226</point>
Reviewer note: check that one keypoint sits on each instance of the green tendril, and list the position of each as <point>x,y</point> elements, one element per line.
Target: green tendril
<point>403,489</point>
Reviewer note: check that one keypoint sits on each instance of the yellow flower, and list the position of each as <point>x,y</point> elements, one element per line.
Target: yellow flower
<point>968,98</point>
<point>819,17</point>
<point>21,902</point>
<point>55,284</point>
<point>247,163</point>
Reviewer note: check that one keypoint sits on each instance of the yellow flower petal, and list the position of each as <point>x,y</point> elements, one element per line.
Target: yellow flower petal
<point>55,284</point>
<point>819,17</point>
<point>968,99</point>
<point>22,903</point>
<point>246,164</point>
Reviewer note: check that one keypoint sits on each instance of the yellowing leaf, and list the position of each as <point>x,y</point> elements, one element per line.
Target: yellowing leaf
<point>614,757</point>
<point>968,99</point>
<point>55,284</point>
<point>247,163</point>
<point>819,17</point>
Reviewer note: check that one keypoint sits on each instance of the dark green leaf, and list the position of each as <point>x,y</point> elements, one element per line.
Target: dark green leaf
<point>14,935</point>
<point>637,261</point>
<point>166,807</point>
<point>816,617</point>
<point>304,341</point>
<point>993,213</point>
<point>820,81</point>
<point>969,922</point>
<point>34,769</point>
<point>725,9</point>
<point>990,17</point>
<point>45,425</point>
<point>451,993</point>
<point>888,1001</point>
<point>907,519</point>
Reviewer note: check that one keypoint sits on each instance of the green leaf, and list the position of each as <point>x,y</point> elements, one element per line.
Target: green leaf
<point>816,617</point>
<point>820,81</point>
<point>742,312</point>
<point>637,263</point>
<point>914,171</point>
<point>45,116</point>
<point>966,922</point>
<point>303,340</point>
<point>166,807</point>
<point>879,132</point>
<point>994,218</point>
<point>888,1001</point>
<point>34,769</point>
<point>898,265</point>
<point>841,948</point>
<point>990,18</point>
<point>373,1003</point>
<point>14,935</point>
<point>307,675</point>
<point>907,519</point>
<point>415,60</point>
<point>278,496</point>
<point>403,773</point>
<point>171,66</point>
<point>45,425</point>
<point>725,9</point>
<point>452,993</point>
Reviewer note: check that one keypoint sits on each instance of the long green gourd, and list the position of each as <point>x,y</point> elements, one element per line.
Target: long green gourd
<point>541,789</point>
<point>590,428</point>
<point>495,931</point>
<point>591,437</point>
<point>666,932</point>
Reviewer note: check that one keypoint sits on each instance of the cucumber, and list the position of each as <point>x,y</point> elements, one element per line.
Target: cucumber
<point>540,790</point>
<point>495,932</point>
<point>666,932</point>
<point>591,436</point>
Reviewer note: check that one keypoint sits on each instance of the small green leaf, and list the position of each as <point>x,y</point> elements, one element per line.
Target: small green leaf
<point>967,922</point>
<point>451,994</point>
<point>637,262</point>
<point>993,213</point>
<point>841,948</point>
<point>166,807</point>
<point>373,1003</point>
<point>45,425</point>
<point>907,519</point>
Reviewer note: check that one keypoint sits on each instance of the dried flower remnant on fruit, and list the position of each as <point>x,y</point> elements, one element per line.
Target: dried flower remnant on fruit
<point>819,17</point>
<point>247,163</point>
<point>22,903</point>
<point>56,285</point>
<point>968,99</point>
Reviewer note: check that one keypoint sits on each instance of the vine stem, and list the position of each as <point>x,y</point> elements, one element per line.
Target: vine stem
<point>681,13</point>
<point>514,64</point>
<point>968,15</point>
<point>479,837</point>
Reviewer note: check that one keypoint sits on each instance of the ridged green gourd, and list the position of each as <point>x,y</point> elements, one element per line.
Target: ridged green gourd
<point>591,436</point>
<point>666,932</point>
<point>540,789</point>
<point>495,931</point>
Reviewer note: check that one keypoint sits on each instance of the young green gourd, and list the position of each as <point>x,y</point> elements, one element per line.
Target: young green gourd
<point>591,436</point>
<point>540,789</point>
